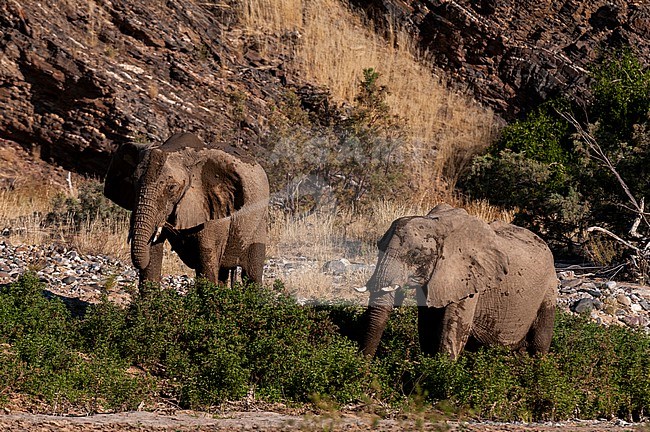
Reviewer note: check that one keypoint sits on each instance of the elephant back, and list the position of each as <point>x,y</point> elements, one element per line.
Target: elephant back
<point>527,243</point>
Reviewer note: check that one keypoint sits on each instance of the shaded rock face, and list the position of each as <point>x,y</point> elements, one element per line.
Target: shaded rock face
<point>514,54</point>
<point>78,79</point>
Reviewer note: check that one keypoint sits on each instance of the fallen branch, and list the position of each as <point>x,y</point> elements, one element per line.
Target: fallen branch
<point>614,236</point>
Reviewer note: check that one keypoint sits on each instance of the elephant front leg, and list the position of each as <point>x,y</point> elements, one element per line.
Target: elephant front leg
<point>253,268</point>
<point>152,273</point>
<point>212,242</point>
<point>446,329</point>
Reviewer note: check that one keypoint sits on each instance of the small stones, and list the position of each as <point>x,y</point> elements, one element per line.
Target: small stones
<point>623,299</point>
<point>584,305</point>
<point>635,320</point>
<point>610,285</point>
<point>336,267</point>
<point>592,292</point>
<point>635,307</point>
<point>567,290</point>
<point>588,286</point>
<point>68,280</point>
<point>606,302</point>
<point>566,275</point>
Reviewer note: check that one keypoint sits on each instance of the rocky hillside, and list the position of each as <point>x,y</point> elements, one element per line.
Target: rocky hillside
<point>79,78</point>
<point>513,54</point>
<point>75,81</point>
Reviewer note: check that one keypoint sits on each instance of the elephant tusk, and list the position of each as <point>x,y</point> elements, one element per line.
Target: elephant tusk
<point>158,232</point>
<point>390,288</point>
<point>361,289</point>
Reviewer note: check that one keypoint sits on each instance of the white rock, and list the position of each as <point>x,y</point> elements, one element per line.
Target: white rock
<point>623,299</point>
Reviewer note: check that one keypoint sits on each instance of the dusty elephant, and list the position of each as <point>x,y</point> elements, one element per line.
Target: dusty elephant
<point>476,284</point>
<point>211,204</point>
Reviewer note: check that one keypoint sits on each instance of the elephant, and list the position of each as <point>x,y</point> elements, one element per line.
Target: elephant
<point>210,203</point>
<point>476,284</point>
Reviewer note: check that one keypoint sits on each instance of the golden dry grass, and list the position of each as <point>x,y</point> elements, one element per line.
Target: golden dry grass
<point>331,46</point>
<point>324,236</point>
<point>321,237</point>
<point>446,126</point>
<point>22,212</point>
<point>313,240</point>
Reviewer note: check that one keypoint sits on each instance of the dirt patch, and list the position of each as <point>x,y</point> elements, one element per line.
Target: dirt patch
<point>272,421</point>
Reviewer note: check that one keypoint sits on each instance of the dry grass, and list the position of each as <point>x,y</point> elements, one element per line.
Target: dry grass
<point>310,242</point>
<point>446,126</point>
<point>324,236</point>
<point>329,45</point>
<point>272,16</point>
<point>318,238</point>
<point>22,212</point>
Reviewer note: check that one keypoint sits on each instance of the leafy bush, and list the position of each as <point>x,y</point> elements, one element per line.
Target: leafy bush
<point>591,372</point>
<point>40,355</point>
<point>89,205</point>
<point>216,343</point>
<point>541,169</point>
<point>349,155</point>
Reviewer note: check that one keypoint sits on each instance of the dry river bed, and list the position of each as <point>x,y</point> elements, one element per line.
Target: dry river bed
<point>69,274</point>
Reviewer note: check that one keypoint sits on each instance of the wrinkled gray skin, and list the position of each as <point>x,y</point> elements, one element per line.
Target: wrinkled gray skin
<point>476,284</point>
<point>211,204</point>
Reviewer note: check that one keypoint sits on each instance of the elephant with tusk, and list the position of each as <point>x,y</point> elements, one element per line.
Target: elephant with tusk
<point>210,203</point>
<point>476,283</point>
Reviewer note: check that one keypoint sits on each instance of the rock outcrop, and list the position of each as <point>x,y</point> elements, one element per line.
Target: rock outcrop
<point>514,54</point>
<point>78,79</point>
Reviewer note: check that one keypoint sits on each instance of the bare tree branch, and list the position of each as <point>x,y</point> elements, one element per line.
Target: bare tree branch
<point>635,226</point>
<point>600,155</point>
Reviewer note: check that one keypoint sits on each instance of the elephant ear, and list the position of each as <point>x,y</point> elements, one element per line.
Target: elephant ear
<point>122,176</point>
<point>215,191</point>
<point>469,259</point>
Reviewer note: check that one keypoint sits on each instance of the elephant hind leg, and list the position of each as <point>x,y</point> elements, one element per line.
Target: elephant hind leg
<point>538,339</point>
<point>253,265</point>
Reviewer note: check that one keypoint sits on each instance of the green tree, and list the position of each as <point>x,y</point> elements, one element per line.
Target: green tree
<point>542,168</point>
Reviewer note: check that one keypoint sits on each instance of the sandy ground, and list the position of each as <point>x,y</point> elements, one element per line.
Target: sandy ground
<point>271,421</point>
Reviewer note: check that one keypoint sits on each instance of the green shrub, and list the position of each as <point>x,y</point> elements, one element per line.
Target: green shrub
<point>216,343</point>
<point>340,155</point>
<point>40,355</point>
<point>551,177</point>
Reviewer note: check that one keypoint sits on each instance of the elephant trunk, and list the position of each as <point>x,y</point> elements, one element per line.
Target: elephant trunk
<point>382,286</point>
<point>379,310</point>
<point>143,226</point>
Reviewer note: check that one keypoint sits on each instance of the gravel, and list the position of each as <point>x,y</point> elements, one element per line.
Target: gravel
<point>68,273</point>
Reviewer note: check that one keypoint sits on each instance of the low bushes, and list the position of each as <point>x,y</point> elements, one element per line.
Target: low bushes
<point>216,343</point>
